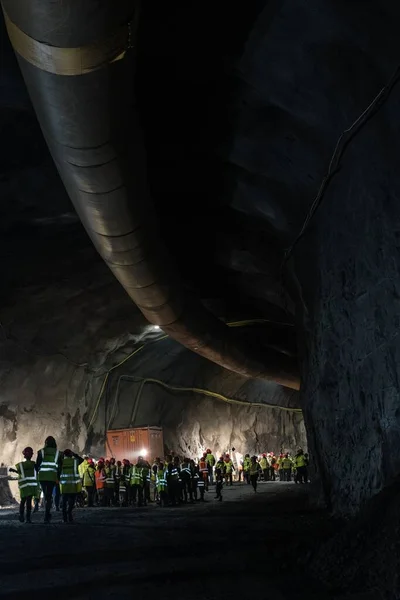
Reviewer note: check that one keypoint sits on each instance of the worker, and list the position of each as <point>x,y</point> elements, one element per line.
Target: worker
<point>301,467</point>
<point>83,466</point>
<point>125,477</point>
<point>220,464</point>
<point>203,470</point>
<point>264,467</point>
<point>229,469</point>
<point>161,484</point>
<point>307,461</point>
<point>254,472</point>
<point>219,484</point>
<point>117,481</point>
<point>195,478</point>
<point>173,483</point>
<point>27,484</point>
<point>48,467</point>
<point>136,482</point>
<point>110,484</point>
<point>237,459</point>
<point>146,478</point>
<point>210,460</point>
<point>113,469</point>
<point>186,477</point>
<point>89,479</point>
<point>201,483</point>
<point>273,467</point>
<point>287,467</point>
<point>70,483</point>
<point>246,468</point>
<point>100,481</point>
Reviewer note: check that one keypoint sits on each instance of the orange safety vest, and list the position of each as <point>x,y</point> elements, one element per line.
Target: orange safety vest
<point>100,480</point>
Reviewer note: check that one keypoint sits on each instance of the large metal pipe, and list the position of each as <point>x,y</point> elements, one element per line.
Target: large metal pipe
<point>78,65</point>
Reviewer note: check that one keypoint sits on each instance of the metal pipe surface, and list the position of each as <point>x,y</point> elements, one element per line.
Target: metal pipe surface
<point>91,126</point>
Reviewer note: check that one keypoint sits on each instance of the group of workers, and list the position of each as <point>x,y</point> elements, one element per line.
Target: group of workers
<point>64,475</point>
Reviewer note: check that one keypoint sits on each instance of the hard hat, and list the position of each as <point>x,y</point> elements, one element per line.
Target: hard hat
<point>208,451</point>
<point>28,452</point>
<point>90,461</point>
<point>67,452</point>
<point>264,455</point>
<point>101,459</point>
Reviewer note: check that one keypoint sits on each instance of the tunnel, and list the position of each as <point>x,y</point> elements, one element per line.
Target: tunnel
<point>200,234</point>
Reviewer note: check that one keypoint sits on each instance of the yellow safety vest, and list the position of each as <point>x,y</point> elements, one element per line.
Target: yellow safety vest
<point>27,479</point>
<point>70,481</point>
<point>48,470</point>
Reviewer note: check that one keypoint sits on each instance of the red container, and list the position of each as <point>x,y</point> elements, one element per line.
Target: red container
<point>132,443</point>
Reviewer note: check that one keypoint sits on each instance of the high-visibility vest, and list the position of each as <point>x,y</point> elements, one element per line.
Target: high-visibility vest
<point>27,478</point>
<point>100,479</point>
<point>110,482</point>
<point>146,475</point>
<point>263,463</point>
<point>210,460</point>
<point>228,466</point>
<point>220,465</point>
<point>70,481</point>
<point>254,468</point>
<point>286,463</point>
<point>82,468</point>
<point>173,474</point>
<point>300,460</point>
<point>200,482</point>
<point>136,475</point>
<point>246,464</point>
<point>161,482</point>
<point>126,475</point>
<point>89,477</point>
<point>48,470</point>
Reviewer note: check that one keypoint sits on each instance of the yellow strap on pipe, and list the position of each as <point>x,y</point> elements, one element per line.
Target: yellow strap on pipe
<point>69,61</point>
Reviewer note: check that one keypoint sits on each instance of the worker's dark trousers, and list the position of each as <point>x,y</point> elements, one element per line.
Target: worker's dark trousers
<point>210,474</point>
<point>202,489</point>
<point>253,479</point>
<point>187,490</point>
<point>272,474</point>
<point>194,489</point>
<point>68,503</point>
<point>90,490</point>
<point>266,474</point>
<point>229,477</point>
<point>163,498</point>
<point>146,492</point>
<point>57,496</point>
<point>28,503</point>
<point>247,476</point>
<point>48,487</point>
<point>140,492</point>
<point>174,491</point>
<point>301,475</point>
<point>218,490</point>
<point>108,496</point>
<point>287,474</point>
<point>134,492</point>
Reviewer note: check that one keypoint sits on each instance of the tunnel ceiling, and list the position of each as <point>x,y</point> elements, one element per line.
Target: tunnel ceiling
<point>241,110</point>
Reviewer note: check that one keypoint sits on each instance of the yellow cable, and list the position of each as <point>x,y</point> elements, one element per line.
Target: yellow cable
<point>230,324</point>
<point>216,395</point>
<point>108,374</point>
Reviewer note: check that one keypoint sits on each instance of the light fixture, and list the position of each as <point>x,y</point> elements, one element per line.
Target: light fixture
<point>143,452</point>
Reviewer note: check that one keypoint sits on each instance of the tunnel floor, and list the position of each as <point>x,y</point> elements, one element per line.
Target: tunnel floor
<point>248,546</point>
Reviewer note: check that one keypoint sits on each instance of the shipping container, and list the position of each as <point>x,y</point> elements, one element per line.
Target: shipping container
<point>132,443</point>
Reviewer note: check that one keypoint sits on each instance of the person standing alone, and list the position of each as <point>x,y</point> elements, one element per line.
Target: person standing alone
<point>48,467</point>
<point>254,472</point>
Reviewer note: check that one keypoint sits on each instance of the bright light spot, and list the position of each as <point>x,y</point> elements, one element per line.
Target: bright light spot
<point>156,328</point>
<point>143,452</point>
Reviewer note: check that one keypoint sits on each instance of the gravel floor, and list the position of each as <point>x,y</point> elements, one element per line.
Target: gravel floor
<point>246,546</point>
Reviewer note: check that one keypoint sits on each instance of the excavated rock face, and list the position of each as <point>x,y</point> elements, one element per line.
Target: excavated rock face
<point>241,114</point>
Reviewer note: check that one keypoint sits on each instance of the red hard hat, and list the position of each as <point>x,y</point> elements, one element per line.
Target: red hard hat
<point>264,455</point>
<point>28,452</point>
<point>90,461</point>
<point>101,459</point>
